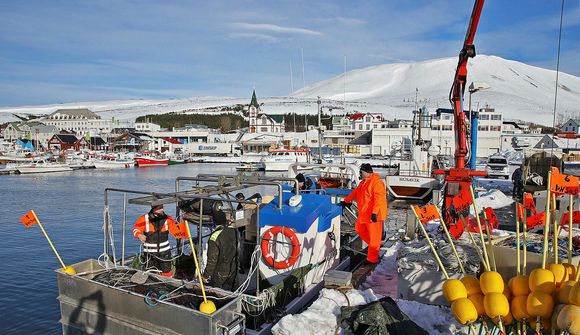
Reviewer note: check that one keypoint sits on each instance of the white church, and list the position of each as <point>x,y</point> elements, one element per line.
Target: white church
<point>261,122</point>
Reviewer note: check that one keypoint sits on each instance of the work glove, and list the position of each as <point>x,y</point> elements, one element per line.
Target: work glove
<point>373,217</point>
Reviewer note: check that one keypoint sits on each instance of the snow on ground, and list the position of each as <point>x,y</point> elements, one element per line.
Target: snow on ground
<point>503,185</point>
<point>322,316</point>
<point>493,198</point>
<point>434,319</point>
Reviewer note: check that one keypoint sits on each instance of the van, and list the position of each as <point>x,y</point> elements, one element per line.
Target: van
<point>497,167</point>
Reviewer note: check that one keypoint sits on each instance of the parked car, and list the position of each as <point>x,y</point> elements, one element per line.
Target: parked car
<point>497,167</point>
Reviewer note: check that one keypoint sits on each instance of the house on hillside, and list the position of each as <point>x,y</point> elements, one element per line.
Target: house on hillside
<point>37,132</point>
<point>568,144</point>
<point>261,122</point>
<point>131,142</point>
<point>571,126</point>
<point>359,122</point>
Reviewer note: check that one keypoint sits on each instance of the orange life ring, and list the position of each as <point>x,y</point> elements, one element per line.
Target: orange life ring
<point>269,256</point>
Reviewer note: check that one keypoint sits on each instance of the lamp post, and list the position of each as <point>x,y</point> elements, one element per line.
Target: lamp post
<point>474,118</point>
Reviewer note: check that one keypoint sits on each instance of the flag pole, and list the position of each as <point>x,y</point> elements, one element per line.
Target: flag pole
<point>48,239</point>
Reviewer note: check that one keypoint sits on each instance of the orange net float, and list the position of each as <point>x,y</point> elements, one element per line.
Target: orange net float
<point>540,304</point>
<point>518,308</point>
<point>520,285</point>
<point>560,273</point>
<point>471,285</point>
<point>542,280</point>
<point>454,289</point>
<point>268,255</point>
<point>491,282</point>
<point>496,305</point>
<point>564,293</point>
<point>477,300</point>
<point>574,296</point>
<point>570,271</point>
<point>464,311</point>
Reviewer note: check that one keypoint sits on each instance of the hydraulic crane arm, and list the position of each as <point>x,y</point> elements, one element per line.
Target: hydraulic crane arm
<point>458,88</point>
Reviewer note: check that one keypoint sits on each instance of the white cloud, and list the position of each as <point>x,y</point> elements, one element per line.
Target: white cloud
<point>272,28</point>
<point>254,36</point>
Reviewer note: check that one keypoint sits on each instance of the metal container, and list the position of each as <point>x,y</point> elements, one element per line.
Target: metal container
<point>88,306</point>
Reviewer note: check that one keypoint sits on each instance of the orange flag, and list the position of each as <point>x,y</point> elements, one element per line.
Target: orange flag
<point>29,219</point>
<point>427,213</point>
<point>529,202</point>
<point>563,183</point>
<point>178,230</point>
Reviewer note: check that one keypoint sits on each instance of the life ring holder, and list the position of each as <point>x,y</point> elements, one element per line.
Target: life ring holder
<point>267,254</point>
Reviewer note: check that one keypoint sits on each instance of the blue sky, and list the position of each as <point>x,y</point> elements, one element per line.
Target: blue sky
<point>66,51</point>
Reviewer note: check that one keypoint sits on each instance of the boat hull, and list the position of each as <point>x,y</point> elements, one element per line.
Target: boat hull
<point>410,187</point>
<point>142,161</point>
<point>113,164</point>
<point>43,169</point>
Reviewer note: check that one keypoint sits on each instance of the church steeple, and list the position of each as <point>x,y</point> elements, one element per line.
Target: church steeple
<point>254,101</point>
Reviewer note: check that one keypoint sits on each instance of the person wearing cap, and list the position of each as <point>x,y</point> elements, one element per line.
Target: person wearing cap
<point>371,198</point>
<point>153,230</point>
<point>221,268</point>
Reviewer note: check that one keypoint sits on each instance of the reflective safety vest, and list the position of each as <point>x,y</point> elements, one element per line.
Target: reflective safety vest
<point>157,240</point>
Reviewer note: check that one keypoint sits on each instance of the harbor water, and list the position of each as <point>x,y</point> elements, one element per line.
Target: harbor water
<point>70,207</point>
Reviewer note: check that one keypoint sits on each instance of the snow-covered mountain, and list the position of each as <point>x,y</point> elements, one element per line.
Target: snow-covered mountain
<point>518,90</point>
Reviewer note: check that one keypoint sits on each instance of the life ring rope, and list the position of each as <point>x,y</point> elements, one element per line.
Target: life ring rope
<point>268,254</point>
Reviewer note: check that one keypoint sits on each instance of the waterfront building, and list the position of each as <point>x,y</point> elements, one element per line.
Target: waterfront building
<point>80,121</point>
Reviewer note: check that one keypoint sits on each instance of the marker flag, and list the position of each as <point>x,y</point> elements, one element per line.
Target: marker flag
<point>29,219</point>
<point>563,183</point>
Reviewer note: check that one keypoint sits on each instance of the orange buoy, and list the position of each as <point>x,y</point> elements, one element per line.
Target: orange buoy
<point>570,271</point>
<point>564,293</point>
<point>496,304</point>
<point>471,285</point>
<point>560,274</point>
<point>464,311</point>
<point>477,300</point>
<point>540,304</point>
<point>542,280</point>
<point>491,282</point>
<point>454,289</point>
<point>520,285</point>
<point>507,293</point>
<point>518,307</point>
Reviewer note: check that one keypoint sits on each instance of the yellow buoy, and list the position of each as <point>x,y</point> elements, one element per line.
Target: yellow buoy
<point>464,311</point>
<point>491,282</point>
<point>70,270</point>
<point>568,315</point>
<point>471,285</point>
<point>542,280</point>
<point>560,274</point>
<point>574,328</point>
<point>518,307</point>
<point>454,289</point>
<point>477,300</point>
<point>574,297</point>
<point>520,285</point>
<point>564,293</point>
<point>496,304</point>
<point>570,271</point>
<point>540,304</point>
<point>207,307</point>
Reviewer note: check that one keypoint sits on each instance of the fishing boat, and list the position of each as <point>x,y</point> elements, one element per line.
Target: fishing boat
<point>291,243</point>
<point>42,166</point>
<point>280,160</point>
<point>113,162</point>
<point>250,167</point>
<point>151,161</point>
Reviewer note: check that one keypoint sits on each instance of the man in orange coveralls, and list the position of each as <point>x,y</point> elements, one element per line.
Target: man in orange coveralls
<point>153,229</point>
<point>371,198</point>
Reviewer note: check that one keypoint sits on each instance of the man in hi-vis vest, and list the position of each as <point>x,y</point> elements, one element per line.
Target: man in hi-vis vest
<point>153,230</point>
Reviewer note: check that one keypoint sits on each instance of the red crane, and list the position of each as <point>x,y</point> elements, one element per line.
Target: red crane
<point>459,178</point>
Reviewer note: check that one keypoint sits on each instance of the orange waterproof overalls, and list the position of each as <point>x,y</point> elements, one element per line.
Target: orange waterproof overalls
<point>371,198</point>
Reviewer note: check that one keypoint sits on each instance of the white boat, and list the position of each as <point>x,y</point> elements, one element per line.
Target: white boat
<point>42,166</point>
<point>113,162</point>
<point>250,167</point>
<point>413,179</point>
<point>327,175</point>
<point>280,160</point>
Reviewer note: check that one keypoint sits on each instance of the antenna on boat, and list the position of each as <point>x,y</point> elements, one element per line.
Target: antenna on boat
<point>303,87</point>
<point>292,92</point>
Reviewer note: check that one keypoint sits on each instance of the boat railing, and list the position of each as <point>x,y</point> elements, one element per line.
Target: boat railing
<point>414,172</point>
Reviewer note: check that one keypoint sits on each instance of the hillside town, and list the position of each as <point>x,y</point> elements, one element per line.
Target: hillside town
<point>69,132</point>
